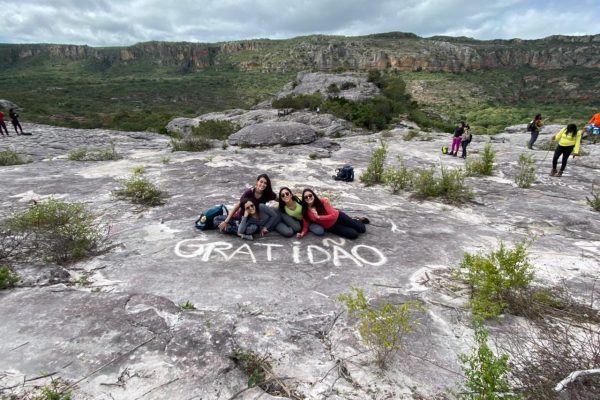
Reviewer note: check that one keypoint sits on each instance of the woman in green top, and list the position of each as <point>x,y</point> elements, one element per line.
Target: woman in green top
<point>290,208</point>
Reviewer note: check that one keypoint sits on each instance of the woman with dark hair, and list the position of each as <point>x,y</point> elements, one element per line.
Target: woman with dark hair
<point>536,125</point>
<point>256,217</point>
<point>333,220</point>
<point>262,192</point>
<point>290,208</point>
<point>569,141</point>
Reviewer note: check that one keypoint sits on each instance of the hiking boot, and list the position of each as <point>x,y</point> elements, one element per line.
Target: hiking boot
<point>362,219</point>
<point>553,172</point>
<point>559,173</point>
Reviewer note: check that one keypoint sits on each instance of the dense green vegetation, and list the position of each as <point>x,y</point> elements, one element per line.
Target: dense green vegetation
<point>144,94</point>
<point>75,95</point>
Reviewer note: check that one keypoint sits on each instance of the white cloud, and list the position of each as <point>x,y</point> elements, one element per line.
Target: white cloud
<point>111,22</point>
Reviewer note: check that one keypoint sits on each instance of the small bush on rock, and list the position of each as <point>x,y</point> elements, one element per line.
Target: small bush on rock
<point>486,373</point>
<point>58,230</point>
<point>594,201</point>
<point>84,154</point>
<point>382,328</point>
<point>214,129</point>
<point>374,172</point>
<point>140,190</point>
<point>526,174</point>
<point>10,157</point>
<point>399,179</point>
<point>7,277</point>
<point>484,165</point>
<point>450,185</point>
<point>496,278</point>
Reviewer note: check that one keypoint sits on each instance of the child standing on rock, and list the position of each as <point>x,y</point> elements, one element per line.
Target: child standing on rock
<point>465,140</point>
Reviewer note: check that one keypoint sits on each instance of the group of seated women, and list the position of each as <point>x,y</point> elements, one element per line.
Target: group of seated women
<point>293,216</point>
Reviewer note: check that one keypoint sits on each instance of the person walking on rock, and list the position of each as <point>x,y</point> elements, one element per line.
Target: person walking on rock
<point>569,141</point>
<point>534,126</point>
<point>14,118</point>
<point>456,139</point>
<point>3,125</point>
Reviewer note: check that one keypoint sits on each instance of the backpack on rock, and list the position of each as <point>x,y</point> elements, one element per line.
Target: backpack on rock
<point>346,173</point>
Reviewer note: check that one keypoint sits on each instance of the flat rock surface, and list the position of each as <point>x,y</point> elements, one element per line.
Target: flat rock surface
<point>272,133</point>
<point>121,334</point>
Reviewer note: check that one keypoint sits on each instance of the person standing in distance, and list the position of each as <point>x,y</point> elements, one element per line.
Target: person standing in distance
<point>2,124</point>
<point>14,118</point>
<point>536,125</point>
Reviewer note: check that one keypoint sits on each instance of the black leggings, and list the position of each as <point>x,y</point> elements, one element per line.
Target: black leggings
<point>566,152</point>
<point>347,227</point>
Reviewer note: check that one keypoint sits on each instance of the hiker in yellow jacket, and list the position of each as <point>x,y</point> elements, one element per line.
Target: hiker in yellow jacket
<point>569,141</point>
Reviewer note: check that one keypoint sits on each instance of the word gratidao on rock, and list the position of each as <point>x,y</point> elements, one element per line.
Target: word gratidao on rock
<point>330,251</point>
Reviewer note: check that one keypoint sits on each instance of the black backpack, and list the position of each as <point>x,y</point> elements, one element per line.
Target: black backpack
<point>346,173</point>
<point>531,126</point>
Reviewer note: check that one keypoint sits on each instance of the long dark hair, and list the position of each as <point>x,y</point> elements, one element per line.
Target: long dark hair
<point>537,117</point>
<point>282,203</point>
<point>318,204</point>
<point>249,200</point>
<point>268,194</point>
<point>571,129</point>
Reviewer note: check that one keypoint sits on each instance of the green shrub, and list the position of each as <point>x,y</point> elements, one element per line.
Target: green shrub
<point>213,129</point>
<point>485,372</point>
<point>526,174</point>
<point>333,89</point>
<point>347,85</point>
<point>59,230</point>
<point>139,190</point>
<point>255,366</point>
<point>382,329</point>
<point>450,186</point>
<point>191,143</point>
<point>399,179</point>
<point>496,278</point>
<point>7,277</point>
<point>54,391</point>
<point>10,157</point>
<point>138,170</point>
<point>299,102</point>
<point>594,202</point>
<point>484,165</point>
<point>78,154</point>
<point>374,172</point>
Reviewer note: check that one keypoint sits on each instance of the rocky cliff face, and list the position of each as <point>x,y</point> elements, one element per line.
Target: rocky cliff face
<point>400,52</point>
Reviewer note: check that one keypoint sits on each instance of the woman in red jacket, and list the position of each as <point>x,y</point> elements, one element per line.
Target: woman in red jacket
<point>333,220</point>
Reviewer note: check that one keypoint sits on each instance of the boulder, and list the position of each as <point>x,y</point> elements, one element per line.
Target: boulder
<point>6,105</point>
<point>308,83</point>
<point>273,133</point>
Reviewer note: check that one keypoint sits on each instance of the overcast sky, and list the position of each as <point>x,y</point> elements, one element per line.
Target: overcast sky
<point>123,22</point>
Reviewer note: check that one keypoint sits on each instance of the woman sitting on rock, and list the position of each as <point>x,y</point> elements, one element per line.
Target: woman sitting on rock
<point>261,193</point>
<point>290,208</point>
<point>257,219</point>
<point>333,220</point>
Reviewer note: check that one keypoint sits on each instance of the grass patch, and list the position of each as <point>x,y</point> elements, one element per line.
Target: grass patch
<point>382,329</point>
<point>526,174</point>
<point>191,143</point>
<point>10,157</point>
<point>399,179</point>
<point>58,230</point>
<point>138,170</point>
<point>8,278</point>
<point>547,145</point>
<point>85,154</point>
<point>449,186</point>
<point>140,190</point>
